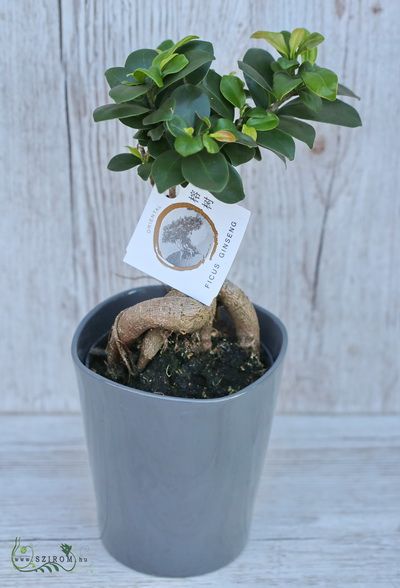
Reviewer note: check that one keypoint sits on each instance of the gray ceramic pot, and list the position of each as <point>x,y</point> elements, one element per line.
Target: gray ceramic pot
<point>175,478</point>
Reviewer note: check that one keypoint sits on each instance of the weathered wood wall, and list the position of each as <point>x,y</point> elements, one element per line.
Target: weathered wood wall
<point>322,250</point>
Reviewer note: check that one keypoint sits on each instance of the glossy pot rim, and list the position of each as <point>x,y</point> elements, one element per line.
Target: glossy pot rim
<point>164,398</point>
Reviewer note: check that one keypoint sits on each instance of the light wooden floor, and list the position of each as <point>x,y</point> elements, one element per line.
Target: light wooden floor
<point>328,510</point>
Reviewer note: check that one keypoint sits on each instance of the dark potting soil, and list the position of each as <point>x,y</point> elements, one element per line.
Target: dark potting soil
<point>224,370</point>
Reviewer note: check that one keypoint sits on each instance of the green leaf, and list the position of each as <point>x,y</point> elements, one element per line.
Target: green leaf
<point>110,111</point>
<point>336,113</point>
<point>343,91</point>
<point>184,41</point>
<point>203,124</point>
<point>277,40</point>
<point>190,101</point>
<point>196,59</point>
<point>155,148</point>
<point>254,75</point>
<point>115,76</point>
<point>286,36</point>
<point>211,85</point>
<point>241,138</point>
<point>206,171</point>
<point>296,38</point>
<point>169,61</point>
<point>284,83</point>
<point>165,45</point>
<point>186,145</point>
<point>141,136</point>
<point>142,58</point>
<point>141,73</point>
<point>285,63</point>
<point>176,64</point>
<point>205,121</point>
<point>166,171</point>
<point>277,142</point>
<point>238,154</point>
<point>134,122</point>
<point>163,113</point>
<point>224,136</point>
<point>232,88</point>
<point>224,124</point>
<point>260,61</point>
<point>176,126</point>
<point>319,80</point>
<point>311,41</point>
<point>211,145</point>
<point>309,55</point>
<point>311,100</point>
<point>249,131</point>
<point>123,161</point>
<point>262,120</point>
<point>233,191</point>
<point>144,170</point>
<point>163,58</point>
<point>135,152</point>
<point>199,73</point>
<point>124,93</point>
<point>156,133</point>
<point>297,129</point>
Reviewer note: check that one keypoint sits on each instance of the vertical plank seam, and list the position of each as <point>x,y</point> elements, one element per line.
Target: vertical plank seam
<point>70,168</point>
<point>328,203</point>
<point>321,240</point>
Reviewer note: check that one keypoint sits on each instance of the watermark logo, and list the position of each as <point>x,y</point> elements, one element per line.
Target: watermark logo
<point>24,559</point>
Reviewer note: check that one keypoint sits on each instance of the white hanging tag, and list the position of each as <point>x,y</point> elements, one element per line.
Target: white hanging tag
<point>188,242</point>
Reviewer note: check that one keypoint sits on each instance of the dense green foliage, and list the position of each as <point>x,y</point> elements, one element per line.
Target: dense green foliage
<point>196,126</point>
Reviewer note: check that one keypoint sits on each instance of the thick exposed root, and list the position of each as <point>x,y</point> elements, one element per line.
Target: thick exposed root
<point>174,314</point>
<point>177,313</point>
<point>243,315</point>
<point>206,332</point>
<point>154,339</point>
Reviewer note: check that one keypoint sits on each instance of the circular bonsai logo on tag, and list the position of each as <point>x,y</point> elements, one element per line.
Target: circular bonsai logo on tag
<point>184,237</point>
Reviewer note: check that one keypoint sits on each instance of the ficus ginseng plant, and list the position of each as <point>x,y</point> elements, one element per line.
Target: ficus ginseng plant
<point>196,126</point>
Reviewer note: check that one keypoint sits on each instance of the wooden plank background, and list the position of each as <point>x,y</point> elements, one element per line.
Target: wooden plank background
<point>322,248</point>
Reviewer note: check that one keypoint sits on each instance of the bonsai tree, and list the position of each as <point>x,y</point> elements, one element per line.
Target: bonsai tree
<point>196,126</point>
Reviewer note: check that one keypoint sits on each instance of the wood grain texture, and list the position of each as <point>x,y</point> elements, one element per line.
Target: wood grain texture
<point>322,248</point>
<point>326,514</point>
<point>38,300</point>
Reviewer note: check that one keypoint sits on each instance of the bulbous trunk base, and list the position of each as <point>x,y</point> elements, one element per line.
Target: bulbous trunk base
<point>158,318</point>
